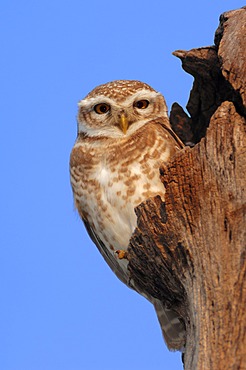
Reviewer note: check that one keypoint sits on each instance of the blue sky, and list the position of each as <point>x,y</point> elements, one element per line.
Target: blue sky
<point>61,307</point>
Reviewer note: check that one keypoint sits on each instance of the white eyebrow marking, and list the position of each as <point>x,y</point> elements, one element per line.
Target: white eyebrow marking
<point>89,103</point>
<point>141,94</point>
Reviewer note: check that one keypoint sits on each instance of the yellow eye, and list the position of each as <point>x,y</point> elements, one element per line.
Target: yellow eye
<point>102,108</point>
<point>141,104</point>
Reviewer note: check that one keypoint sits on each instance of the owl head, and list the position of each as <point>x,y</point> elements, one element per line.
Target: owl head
<point>119,108</point>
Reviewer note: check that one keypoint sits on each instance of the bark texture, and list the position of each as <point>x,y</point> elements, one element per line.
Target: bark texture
<point>190,252</point>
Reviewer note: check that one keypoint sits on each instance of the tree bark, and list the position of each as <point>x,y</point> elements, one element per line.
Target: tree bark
<point>190,252</point>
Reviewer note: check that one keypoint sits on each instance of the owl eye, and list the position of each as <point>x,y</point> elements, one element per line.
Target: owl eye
<point>141,104</point>
<point>101,108</point>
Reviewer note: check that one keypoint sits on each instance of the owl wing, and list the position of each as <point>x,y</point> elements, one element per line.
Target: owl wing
<point>173,329</point>
<point>109,258</point>
<point>166,127</point>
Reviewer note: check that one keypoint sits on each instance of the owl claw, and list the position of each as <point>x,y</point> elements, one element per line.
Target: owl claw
<point>121,254</point>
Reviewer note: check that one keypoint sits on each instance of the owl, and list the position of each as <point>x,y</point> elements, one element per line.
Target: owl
<point>124,136</point>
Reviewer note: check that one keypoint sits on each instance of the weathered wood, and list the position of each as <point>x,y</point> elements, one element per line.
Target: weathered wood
<point>219,72</point>
<point>191,251</point>
<point>230,40</point>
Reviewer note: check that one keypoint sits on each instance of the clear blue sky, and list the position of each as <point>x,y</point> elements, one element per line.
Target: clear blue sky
<point>61,307</point>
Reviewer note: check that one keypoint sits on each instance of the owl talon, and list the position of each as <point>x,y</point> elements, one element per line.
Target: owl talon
<point>121,254</point>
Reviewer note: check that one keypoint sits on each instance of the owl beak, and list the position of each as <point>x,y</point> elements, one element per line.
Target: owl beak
<point>123,123</point>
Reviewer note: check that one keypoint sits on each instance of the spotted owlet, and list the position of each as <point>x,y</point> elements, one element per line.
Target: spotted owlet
<point>124,136</point>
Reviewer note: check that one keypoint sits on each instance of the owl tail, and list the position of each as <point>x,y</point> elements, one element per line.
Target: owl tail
<point>172,327</point>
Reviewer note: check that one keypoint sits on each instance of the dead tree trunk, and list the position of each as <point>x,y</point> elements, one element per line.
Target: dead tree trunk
<point>190,252</point>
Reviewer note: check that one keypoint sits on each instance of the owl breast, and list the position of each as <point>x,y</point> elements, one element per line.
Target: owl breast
<point>119,181</point>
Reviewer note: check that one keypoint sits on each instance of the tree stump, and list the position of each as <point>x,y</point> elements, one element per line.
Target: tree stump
<point>190,252</point>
